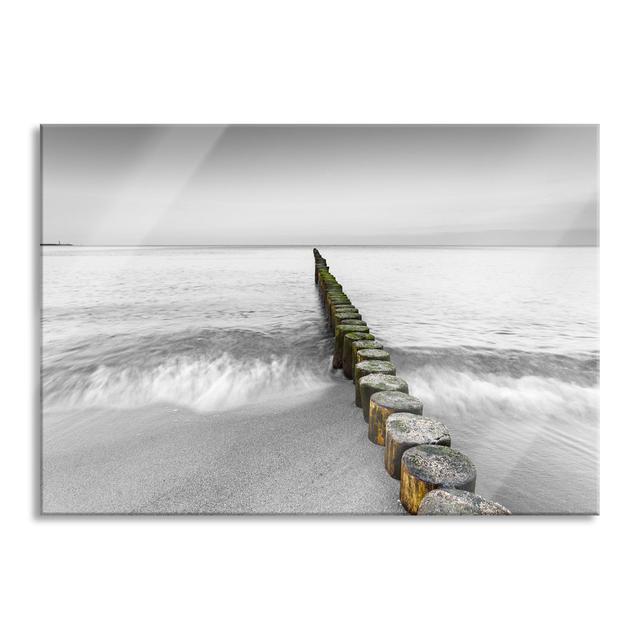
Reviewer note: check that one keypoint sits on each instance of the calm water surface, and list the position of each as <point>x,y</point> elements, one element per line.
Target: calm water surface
<point>500,343</point>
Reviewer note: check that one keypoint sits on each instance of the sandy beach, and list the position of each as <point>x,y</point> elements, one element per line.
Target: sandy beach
<point>306,455</point>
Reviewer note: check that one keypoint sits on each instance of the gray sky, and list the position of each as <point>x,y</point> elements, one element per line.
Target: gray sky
<point>320,185</point>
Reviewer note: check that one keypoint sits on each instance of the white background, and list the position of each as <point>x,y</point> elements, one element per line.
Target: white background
<point>440,62</point>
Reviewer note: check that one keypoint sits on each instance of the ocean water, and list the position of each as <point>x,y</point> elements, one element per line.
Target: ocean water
<point>500,343</point>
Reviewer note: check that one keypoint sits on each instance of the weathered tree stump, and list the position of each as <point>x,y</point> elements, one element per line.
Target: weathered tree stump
<point>455,502</point>
<point>349,339</point>
<point>373,354</point>
<point>376,382</point>
<point>341,330</point>
<point>406,430</point>
<point>384,403</point>
<point>428,467</point>
<point>361,344</point>
<point>368,368</point>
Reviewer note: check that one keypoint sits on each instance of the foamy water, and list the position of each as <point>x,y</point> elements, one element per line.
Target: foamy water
<point>499,343</point>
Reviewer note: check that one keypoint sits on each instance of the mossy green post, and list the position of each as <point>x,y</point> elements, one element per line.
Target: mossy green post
<point>373,354</point>
<point>341,330</point>
<point>376,382</point>
<point>342,312</point>
<point>340,317</point>
<point>385,403</point>
<point>349,339</point>
<point>362,344</point>
<point>367,368</point>
<point>428,467</point>
<point>406,430</point>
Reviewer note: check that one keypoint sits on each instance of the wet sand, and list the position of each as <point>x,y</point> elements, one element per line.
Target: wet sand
<point>303,455</point>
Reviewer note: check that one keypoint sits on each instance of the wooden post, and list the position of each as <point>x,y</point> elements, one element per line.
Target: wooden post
<point>373,354</point>
<point>367,368</point>
<point>341,309</point>
<point>362,344</point>
<point>428,467</point>
<point>375,382</point>
<point>342,317</point>
<point>406,430</point>
<point>349,339</point>
<point>341,330</point>
<point>384,403</point>
<point>455,502</point>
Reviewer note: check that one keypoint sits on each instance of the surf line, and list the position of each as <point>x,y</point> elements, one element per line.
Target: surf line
<point>435,478</point>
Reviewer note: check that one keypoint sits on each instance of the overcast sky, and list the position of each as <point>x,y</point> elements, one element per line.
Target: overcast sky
<point>320,185</point>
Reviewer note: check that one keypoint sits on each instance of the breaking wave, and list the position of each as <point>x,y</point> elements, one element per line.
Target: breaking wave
<point>208,371</point>
<point>465,393</point>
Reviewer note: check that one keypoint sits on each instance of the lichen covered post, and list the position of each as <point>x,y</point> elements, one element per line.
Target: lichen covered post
<point>428,467</point>
<point>341,330</point>
<point>369,367</point>
<point>373,354</point>
<point>343,316</point>
<point>362,344</point>
<point>383,404</point>
<point>375,382</point>
<point>455,502</point>
<point>349,339</point>
<point>406,430</point>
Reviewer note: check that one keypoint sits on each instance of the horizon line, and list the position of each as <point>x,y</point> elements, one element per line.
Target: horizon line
<point>321,244</point>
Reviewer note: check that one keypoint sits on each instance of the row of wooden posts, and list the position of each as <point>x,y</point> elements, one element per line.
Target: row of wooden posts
<point>434,477</point>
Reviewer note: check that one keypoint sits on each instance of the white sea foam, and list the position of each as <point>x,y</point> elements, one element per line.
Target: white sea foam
<point>463,393</point>
<point>201,385</point>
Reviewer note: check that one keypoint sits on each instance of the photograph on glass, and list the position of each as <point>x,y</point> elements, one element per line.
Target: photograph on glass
<point>320,319</point>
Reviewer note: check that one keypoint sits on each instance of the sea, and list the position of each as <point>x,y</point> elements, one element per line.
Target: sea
<point>500,343</point>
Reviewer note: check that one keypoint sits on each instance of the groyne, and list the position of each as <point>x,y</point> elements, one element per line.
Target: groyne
<point>435,478</point>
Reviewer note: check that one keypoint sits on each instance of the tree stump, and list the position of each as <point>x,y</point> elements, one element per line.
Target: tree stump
<point>349,339</point>
<point>455,502</point>
<point>373,354</point>
<point>428,467</point>
<point>406,430</point>
<point>383,404</point>
<point>375,382</point>
<point>367,368</point>
<point>341,330</point>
